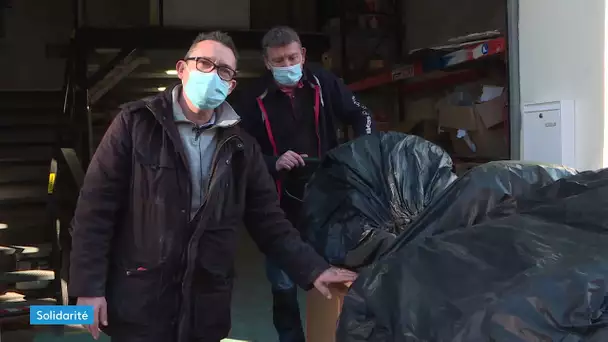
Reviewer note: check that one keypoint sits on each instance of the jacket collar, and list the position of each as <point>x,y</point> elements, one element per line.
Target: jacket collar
<point>224,116</point>
<point>161,106</point>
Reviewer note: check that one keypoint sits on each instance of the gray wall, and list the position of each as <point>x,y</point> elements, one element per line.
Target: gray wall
<point>29,26</point>
<point>118,13</point>
<point>32,24</point>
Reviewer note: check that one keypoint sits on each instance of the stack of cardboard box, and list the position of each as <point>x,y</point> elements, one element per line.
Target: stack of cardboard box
<point>474,117</point>
<point>477,128</point>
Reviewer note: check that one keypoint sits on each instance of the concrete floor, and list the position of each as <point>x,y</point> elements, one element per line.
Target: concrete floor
<point>251,313</point>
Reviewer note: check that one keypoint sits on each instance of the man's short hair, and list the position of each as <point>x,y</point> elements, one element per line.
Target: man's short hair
<point>216,36</point>
<point>279,36</point>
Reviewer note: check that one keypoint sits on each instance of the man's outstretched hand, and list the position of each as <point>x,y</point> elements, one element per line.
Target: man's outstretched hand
<point>333,275</point>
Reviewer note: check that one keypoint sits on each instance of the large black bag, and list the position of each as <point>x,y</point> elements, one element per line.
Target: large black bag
<point>468,200</point>
<point>367,191</point>
<point>535,269</point>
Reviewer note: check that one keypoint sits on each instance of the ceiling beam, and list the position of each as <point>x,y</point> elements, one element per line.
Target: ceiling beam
<point>180,38</point>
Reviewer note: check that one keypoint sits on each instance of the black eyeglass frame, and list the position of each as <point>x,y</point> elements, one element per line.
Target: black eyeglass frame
<point>214,66</point>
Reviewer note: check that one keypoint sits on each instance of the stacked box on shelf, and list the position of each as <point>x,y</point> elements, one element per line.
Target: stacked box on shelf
<point>422,72</point>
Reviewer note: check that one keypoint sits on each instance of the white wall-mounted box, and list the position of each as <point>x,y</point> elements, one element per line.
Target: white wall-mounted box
<point>548,133</point>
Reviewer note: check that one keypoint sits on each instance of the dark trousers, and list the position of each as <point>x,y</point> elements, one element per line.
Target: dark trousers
<point>285,306</point>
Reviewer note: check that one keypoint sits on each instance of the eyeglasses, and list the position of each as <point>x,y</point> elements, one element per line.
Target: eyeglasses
<point>204,64</point>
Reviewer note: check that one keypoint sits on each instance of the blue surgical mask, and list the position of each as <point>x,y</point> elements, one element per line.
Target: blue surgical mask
<point>287,76</point>
<point>206,90</point>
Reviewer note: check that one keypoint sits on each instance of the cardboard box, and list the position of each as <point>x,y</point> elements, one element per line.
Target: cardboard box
<point>417,111</point>
<point>480,123</point>
<point>322,314</point>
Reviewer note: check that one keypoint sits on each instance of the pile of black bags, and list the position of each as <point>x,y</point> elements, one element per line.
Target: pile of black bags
<point>508,252</point>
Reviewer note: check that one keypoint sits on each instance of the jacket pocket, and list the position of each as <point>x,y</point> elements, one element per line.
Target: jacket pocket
<point>135,296</point>
<point>211,314</point>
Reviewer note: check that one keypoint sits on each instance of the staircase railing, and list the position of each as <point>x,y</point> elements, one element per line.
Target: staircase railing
<point>67,167</point>
<point>75,130</point>
<point>66,176</point>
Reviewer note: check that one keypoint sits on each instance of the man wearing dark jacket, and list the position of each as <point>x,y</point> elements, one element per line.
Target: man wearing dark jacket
<point>292,111</point>
<point>156,223</point>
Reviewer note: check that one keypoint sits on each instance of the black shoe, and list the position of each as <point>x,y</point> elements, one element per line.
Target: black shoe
<point>286,316</point>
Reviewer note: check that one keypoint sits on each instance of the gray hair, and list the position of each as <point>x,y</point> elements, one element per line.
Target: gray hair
<point>279,36</point>
<point>216,36</point>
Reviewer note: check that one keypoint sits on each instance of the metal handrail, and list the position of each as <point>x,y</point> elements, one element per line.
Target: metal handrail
<point>76,124</point>
<point>61,235</point>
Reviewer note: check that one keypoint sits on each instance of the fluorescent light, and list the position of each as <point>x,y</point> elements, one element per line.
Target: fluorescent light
<point>3,225</point>
<point>161,88</point>
<point>171,72</point>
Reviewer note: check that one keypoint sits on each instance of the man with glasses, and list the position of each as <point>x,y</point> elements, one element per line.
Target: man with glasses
<point>293,111</point>
<point>155,228</point>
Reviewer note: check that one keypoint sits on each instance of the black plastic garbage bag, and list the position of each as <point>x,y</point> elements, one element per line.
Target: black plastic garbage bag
<point>468,200</point>
<point>535,270</point>
<point>367,191</point>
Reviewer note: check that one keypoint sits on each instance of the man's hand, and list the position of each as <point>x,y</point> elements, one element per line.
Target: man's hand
<point>100,310</point>
<point>331,276</point>
<point>290,160</point>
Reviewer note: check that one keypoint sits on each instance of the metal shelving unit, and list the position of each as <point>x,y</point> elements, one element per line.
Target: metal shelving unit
<point>417,73</point>
<point>392,33</point>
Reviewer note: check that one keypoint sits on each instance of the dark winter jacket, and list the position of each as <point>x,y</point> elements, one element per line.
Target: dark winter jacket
<point>265,111</point>
<point>166,277</point>
<point>305,123</point>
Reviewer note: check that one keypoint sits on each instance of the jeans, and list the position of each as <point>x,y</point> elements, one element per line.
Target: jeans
<point>279,280</point>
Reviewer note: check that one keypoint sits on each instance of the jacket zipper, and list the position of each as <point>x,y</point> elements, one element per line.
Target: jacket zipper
<point>210,183</point>
<point>213,167</point>
<point>208,189</point>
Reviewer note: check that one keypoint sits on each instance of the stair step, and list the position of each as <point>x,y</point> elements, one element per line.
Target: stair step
<point>33,252</point>
<point>26,234</point>
<point>37,173</point>
<point>6,250</point>
<point>26,153</point>
<point>34,235</point>
<point>31,99</point>
<point>26,135</point>
<point>22,213</point>
<point>26,276</point>
<point>29,117</point>
<point>14,304</point>
<point>24,223</point>
<point>27,253</point>
<point>22,194</point>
